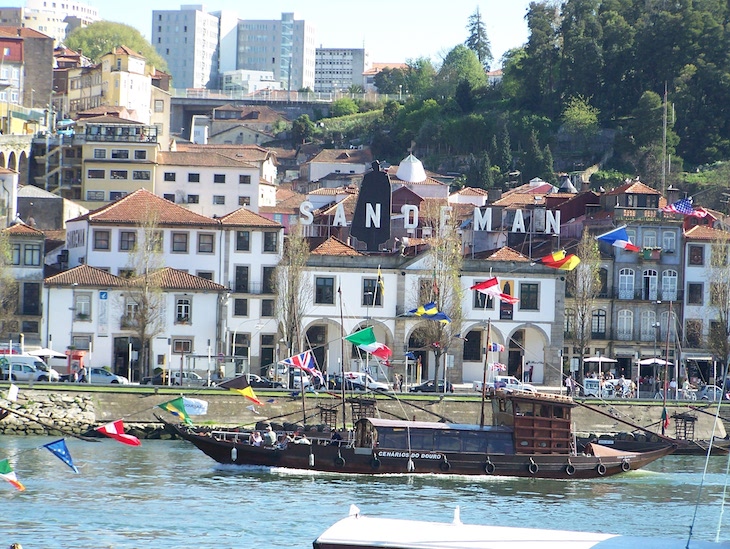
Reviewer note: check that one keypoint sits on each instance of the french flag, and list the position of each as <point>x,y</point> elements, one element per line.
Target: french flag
<point>618,238</point>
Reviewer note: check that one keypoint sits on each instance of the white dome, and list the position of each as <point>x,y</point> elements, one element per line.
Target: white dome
<point>411,170</point>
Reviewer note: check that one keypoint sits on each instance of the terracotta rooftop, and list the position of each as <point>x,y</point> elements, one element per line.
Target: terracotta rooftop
<point>348,205</point>
<point>24,32</point>
<point>21,229</point>
<point>391,171</point>
<point>246,218</point>
<point>85,276</point>
<point>175,279</point>
<point>702,232</point>
<point>344,156</point>
<point>471,191</point>
<point>244,153</point>
<point>211,159</point>
<point>104,119</point>
<point>287,202</point>
<point>507,254</point>
<point>124,50</point>
<point>135,209</point>
<point>633,187</point>
<point>334,246</point>
<point>333,191</point>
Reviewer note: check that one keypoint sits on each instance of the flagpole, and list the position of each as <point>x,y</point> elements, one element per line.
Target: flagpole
<point>484,373</point>
<point>666,371</point>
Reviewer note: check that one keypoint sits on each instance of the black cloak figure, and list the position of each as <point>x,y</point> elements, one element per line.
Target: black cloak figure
<point>374,190</point>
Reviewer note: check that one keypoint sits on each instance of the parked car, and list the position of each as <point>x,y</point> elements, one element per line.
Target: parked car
<point>432,386</point>
<point>298,378</point>
<point>258,382</point>
<point>27,368</point>
<point>505,382</point>
<point>710,392</point>
<point>363,381</point>
<point>101,375</point>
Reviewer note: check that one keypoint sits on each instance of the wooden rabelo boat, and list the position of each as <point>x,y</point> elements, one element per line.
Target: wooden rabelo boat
<point>530,436</point>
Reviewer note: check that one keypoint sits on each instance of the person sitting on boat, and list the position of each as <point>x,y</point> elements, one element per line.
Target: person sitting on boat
<point>336,439</point>
<point>302,439</point>
<point>269,436</point>
<point>256,439</point>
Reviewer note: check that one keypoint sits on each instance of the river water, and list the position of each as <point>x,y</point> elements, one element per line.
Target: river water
<point>167,494</point>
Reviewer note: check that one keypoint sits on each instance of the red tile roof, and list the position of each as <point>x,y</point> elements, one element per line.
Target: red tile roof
<point>137,208</point>
<point>633,187</point>
<point>344,156</point>
<point>246,218</point>
<point>334,246</point>
<point>210,159</point>
<point>21,229</point>
<point>507,254</point>
<point>702,232</point>
<point>175,279</point>
<point>85,276</point>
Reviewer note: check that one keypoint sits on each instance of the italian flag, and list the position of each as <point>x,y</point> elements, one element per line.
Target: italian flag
<point>7,473</point>
<point>365,340</point>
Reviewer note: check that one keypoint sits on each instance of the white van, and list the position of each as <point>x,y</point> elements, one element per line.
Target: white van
<point>27,368</point>
<point>361,380</point>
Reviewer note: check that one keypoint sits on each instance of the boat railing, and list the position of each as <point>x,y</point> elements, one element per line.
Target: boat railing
<point>243,436</point>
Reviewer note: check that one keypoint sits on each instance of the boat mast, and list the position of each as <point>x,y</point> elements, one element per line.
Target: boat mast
<point>666,365</point>
<point>342,361</point>
<point>484,373</point>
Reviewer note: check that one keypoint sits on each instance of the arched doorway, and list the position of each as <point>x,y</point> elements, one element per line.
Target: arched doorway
<point>23,169</point>
<point>420,367</point>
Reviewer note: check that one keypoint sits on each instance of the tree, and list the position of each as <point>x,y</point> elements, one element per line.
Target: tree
<point>292,289</point>
<point>102,37</point>
<point>584,284</point>
<point>8,284</point>
<point>343,107</point>
<point>302,130</point>
<point>479,173</point>
<point>718,340</point>
<point>443,285</point>
<point>459,64</point>
<point>143,310</point>
<point>390,80</point>
<point>580,119</point>
<point>420,76</point>
<point>478,41</point>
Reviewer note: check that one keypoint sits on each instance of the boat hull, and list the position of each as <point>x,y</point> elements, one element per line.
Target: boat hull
<point>326,456</point>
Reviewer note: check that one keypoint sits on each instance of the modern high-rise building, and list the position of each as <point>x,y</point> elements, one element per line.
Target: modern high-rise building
<point>199,46</point>
<point>337,69</point>
<point>188,39</point>
<point>54,19</point>
<point>286,47</point>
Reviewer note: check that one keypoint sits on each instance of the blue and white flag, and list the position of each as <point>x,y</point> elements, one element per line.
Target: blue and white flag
<point>60,450</point>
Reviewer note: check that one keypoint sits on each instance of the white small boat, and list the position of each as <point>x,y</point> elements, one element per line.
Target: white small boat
<point>361,532</point>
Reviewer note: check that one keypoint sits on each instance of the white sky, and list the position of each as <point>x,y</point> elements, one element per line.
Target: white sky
<point>392,30</point>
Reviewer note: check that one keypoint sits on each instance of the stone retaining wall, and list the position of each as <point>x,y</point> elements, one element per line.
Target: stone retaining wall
<point>76,411</point>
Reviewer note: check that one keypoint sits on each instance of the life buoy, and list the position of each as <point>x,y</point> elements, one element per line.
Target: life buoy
<point>489,467</point>
<point>570,469</point>
<point>533,467</point>
<point>234,454</point>
<point>375,463</point>
<point>340,461</point>
<point>601,469</point>
<point>445,466</point>
<point>625,465</point>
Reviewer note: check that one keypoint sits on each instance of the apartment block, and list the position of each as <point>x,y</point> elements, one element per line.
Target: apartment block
<point>337,69</point>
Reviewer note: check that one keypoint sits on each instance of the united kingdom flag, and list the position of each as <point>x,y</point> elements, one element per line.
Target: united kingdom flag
<point>304,361</point>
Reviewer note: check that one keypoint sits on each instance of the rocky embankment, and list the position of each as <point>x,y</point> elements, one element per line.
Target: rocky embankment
<point>62,414</point>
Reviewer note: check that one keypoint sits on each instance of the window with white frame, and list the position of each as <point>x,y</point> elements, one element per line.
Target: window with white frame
<point>626,284</point>
<point>32,254</point>
<point>649,239</point>
<point>625,325</point>
<point>669,241</point>
<point>182,346</point>
<point>669,285</point>
<point>183,309</point>
<point>82,306</point>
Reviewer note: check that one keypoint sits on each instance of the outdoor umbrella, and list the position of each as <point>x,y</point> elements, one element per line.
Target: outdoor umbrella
<point>47,353</point>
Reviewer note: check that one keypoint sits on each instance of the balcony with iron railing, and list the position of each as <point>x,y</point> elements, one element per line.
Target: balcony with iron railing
<point>628,294</point>
<point>252,288</point>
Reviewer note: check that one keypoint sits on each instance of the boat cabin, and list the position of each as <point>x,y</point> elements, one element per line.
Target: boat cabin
<point>423,436</point>
<point>541,422</point>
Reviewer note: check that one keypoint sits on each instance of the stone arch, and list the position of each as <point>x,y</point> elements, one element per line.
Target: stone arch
<point>12,161</point>
<point>527,345</point>
<point>323,337</point>
<point>23,168</point>
<point>356,361</point>
<point>3,163</point>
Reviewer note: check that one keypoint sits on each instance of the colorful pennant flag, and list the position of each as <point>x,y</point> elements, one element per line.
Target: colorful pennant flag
<point>115,430</point>
<point>431,312</point>
<point>491,287</point>
<point>195,406</point>
<point>568,263</point>
<point>304,361</point>
<point>7,473</point>
<point>12,393</point>
<point>253,409</point>
<point>553,257</point>
<point>365,340</point>
<point>241,386</point>
<point>665,418</point>
<point>684,207</point>
<point>499,367</point>
<point>618,238</point>
<point>60,450</point>
<point>496,347</point>
<point>177,408</point>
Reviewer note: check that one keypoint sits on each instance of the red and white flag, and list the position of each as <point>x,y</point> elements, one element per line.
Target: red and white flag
<point>115,430</point>
<point>491,287</point>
